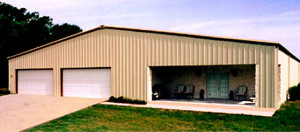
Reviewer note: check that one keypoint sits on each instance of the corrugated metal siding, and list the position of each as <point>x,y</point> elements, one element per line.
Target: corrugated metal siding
<point>129,54</point>
<point>290,74</point>
<point>284,75</point>
<point>293,72</point>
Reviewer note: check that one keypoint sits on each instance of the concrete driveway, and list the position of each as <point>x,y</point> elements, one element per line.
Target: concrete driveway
<point>19,112</point>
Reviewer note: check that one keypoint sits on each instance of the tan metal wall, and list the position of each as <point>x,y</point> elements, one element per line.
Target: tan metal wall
<point>290,74</point>
<point>294,72</point>
<point>283,60</point>
<point>129,54</point>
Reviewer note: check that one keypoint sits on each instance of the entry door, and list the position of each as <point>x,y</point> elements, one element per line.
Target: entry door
<point>217,85</point>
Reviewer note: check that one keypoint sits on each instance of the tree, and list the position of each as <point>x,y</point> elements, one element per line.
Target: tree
<point>21,30</point>
<point>60,31</point>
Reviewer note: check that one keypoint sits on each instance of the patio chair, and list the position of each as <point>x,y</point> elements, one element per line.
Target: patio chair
<point>179,90</point>
<point>189,92</point>
<point>241,92</point>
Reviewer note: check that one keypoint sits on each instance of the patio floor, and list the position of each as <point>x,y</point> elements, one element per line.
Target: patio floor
<point>204,107</point>
<point>212,101</point>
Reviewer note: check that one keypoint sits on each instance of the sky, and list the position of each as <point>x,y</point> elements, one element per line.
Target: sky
<point>268,20</point>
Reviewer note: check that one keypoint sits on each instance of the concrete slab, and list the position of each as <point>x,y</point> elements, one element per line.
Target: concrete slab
<point>19,112</point>
<point>204,107</point>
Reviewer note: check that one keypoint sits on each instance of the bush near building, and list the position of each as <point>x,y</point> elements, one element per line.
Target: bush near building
<point>4,91</point>
<point>294,92</point>
<point>126,100</point>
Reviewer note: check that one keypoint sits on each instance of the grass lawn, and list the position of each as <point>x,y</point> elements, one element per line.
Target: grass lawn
<point>120,118</point>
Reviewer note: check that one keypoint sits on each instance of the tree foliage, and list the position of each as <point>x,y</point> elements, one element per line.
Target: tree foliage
<point>21,30</point>
<point>60,31</point>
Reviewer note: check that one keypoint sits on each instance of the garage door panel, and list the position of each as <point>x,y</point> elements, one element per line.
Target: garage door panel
<point>38,82</point>
<point>88,83</point>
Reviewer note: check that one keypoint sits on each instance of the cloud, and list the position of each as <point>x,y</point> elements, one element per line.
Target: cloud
<point>283,28</point>
<point>284,17</point>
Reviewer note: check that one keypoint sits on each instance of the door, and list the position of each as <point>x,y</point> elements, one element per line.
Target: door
<point>217,85</point>
<point>86,83</point>
<point>38,82</point>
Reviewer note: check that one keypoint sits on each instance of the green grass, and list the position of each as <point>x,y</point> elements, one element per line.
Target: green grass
<point>119,118</point>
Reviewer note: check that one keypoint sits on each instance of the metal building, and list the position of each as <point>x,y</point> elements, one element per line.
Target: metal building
<point>117,61</point>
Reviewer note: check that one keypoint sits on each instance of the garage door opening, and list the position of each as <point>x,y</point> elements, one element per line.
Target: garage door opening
<point>86,83</point>
<point>204,83</point>
<point>38,82</point>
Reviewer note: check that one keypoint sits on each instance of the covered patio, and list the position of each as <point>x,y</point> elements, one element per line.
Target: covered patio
<point>205,84</point>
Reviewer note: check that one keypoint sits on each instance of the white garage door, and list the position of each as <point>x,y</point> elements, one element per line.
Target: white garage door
<point>38,82</point>
<point>87,83</point>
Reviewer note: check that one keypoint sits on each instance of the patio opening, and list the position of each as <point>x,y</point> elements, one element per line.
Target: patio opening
<point>230,84</point>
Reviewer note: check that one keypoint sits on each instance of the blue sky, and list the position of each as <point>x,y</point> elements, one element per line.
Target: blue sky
<point>270,20</point>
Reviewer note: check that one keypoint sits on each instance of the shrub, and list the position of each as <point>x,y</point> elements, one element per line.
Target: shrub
<point>112,99</point>
<point>121,99</point>
<point>294,92</point>
<point>4,91</point>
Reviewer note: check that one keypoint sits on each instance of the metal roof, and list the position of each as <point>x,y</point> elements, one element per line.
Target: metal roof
<point>282,48</point>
